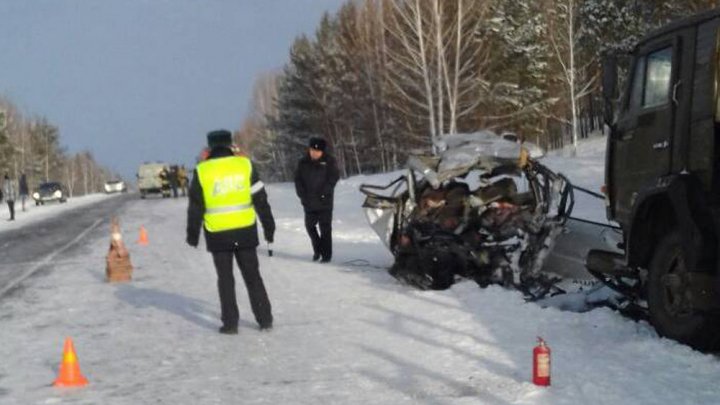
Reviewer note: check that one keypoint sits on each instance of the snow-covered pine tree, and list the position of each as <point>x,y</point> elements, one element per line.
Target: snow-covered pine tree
<point>298,108</point>
<point>520,74</point>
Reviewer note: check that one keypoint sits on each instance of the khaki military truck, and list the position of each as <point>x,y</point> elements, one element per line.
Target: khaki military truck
<point>152,179</point>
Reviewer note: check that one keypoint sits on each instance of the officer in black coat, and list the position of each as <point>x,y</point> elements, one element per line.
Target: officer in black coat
<point>240,242</point>
<point>315,179</point>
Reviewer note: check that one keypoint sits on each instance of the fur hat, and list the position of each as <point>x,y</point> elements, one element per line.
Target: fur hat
<point>220,137</point>
<point>318,144</point>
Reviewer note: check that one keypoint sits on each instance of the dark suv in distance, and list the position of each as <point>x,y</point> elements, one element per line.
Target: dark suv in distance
<point>47,192</point>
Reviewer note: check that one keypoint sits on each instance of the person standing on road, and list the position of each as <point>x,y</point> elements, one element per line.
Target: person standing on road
<point>315,179</point>
<point>182,177</point>
<point>225,196</point>
<point>165,182</point>
<point>24,190</point>
<point>174,180</point>
<point>10,192</point>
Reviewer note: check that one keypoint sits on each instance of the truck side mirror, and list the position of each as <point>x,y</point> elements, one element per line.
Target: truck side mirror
<point>609,84</point>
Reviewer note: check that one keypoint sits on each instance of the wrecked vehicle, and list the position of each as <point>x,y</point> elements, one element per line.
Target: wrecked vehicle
<point>483,208</point>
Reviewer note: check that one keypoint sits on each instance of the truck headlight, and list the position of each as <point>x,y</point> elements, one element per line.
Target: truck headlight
<point>57,194</point>
<point>36,195</point>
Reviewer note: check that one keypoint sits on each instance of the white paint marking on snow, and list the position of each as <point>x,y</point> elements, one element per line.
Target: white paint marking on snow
<point>47,259</point>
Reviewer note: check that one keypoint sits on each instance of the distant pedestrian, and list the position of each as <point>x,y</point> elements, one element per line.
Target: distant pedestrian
<point>183,180</point>
<point>174,180</point>
<point>165,182</point>
<point>226,195</point>
<point>24,190</point>
<point>10,192</point>
<point>315,179</point>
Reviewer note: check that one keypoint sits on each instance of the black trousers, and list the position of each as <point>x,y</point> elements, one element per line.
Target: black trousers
<point>248,262</point>
<point>322,241</point>
<point>11,205</point>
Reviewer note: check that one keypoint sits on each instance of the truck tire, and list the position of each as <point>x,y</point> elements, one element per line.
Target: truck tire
<point>669,313</point>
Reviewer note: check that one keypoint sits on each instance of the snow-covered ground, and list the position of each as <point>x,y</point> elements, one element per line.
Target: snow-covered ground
<point>34,213</point>
<point>345,332</point>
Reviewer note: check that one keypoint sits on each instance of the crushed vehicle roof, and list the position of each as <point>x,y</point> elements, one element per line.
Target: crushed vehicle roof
<point>462,153</point>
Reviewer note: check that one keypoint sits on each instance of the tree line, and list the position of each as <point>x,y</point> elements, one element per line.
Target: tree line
<point>31,145</point>
<point>382,78</point>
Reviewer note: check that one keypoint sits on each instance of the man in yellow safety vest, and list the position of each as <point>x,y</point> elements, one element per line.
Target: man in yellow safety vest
<point>225,196</point>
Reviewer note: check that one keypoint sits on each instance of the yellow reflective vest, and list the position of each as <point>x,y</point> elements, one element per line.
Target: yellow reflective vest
<point>226,185</point>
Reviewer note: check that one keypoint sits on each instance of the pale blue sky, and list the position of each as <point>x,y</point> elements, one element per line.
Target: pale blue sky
<point>139,80</point>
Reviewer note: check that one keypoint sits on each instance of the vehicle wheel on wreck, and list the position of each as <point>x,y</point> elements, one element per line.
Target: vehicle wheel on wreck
<point>483,209</point>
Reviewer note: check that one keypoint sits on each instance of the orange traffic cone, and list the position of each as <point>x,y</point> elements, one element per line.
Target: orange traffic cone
<point>143,239</point>
<point>70,375</point>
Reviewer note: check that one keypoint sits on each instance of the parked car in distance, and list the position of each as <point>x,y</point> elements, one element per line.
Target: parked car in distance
<point>48,192</point>
<point>115,186</point>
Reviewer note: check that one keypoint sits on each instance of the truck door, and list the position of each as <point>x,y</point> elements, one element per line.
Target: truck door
<point>641,151</point>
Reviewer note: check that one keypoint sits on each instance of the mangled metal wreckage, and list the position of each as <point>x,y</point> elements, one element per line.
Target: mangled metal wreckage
<point>483,208</point>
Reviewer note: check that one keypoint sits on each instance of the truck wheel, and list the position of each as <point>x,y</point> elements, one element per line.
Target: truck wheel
<point>670,311</point>
<point>142,195</point>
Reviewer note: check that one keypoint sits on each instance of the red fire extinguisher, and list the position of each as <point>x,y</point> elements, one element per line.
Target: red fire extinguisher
<point>541,364</point>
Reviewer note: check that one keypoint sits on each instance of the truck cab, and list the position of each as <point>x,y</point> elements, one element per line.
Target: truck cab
<point>663,179</point>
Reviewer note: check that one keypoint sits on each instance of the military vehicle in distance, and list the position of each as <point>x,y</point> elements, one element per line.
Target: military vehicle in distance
<point>150,180</point>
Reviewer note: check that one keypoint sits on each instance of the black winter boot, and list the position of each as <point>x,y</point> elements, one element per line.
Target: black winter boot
<point>228,330</point>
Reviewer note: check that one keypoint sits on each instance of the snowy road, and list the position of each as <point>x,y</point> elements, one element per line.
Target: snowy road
<point>344,333</point>
<point>27,249</point>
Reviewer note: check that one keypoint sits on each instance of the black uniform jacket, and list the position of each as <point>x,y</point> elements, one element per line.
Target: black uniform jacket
<point>232,239</point>
<point>315,182</point>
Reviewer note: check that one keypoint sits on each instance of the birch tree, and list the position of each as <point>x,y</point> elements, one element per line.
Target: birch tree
<point>441,60</point>
<point>410,71</point>
<point>465,68</point>
<point>258,137</point>
<point>576,72</point>
<point>361,36</point>
<point>32,146</point>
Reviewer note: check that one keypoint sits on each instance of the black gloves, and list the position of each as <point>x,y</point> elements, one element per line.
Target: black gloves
<point>191,241</point>
<point>269,237</point>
